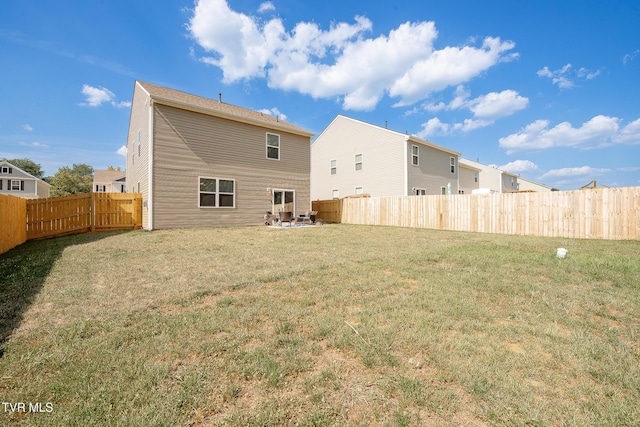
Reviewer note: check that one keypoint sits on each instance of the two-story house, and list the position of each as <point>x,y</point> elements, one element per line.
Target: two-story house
<point>109,181</point>
<point>16,182</point>
<point>202,162</point>
<point>352,157</point>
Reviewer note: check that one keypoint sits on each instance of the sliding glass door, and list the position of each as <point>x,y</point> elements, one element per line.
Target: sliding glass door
<point>284,201</point>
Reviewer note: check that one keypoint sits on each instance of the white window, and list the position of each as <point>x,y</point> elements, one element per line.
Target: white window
<point>273,146</point>
<point>452,162</point>
<point>101,188</point>
<point>358,162</point>
<point>460,191</point>
<point>513,182</point>
<point>420,191</point>
<point>475,176</point>
<point>443,191</point>
<point>17,185</point>
<point>415,160</point>
<point>358,190</point>
<point>123,188</point>
<point>217,193</point>
<point>6,169</point>
<point>334,194</point>
<point>334,169</point>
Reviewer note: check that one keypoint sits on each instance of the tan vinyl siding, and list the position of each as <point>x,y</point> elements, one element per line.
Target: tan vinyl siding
<point>467,179</point>
<point>138,166</point>
<point>433,171</point>
<point>189,145</point>
<point>382,171</point>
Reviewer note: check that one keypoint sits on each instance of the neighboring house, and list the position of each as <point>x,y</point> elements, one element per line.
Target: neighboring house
<point>109,181</point>
<point>202,162</point>
<point>16,182</point>
<point>493,179</point>
<point>468,178</point>
<point>352,157</point>
<point>528,185</point>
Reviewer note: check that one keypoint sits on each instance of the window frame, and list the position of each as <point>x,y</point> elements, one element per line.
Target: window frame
<point>217,193</point>
<point>333,167</point>
<point>278,147</point>
<point>443,191</point>
<point>12,185</point>
<point>356,162</point>
<point>6,170</point>
<point>420,191</point>
<point>452,165</point>
<point>335,194</point>
<point>415,157</point>
<point>360,189</point>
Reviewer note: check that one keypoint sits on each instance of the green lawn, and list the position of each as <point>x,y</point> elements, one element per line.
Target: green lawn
<point>331,325</point>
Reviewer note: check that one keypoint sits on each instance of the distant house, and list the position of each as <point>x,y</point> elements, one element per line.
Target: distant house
<point>493,179</point>
<point>351,157</point>
<point>468,178</point>
<point>528,185</point>
<point>109,181</point>
<point>16,182</point>
<point>203,162</point>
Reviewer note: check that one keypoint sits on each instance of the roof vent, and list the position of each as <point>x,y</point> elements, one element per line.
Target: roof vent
<point>220,97</point>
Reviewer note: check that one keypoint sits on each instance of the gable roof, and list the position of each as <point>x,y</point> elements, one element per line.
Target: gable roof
<point>4,162</point>
<point>187,101</point>
<point>406,137</point>
<point>107,175</point>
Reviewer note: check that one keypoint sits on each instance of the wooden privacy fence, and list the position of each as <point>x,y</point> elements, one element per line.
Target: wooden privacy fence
<point>608,213</point>
<point>328,210</point>
<point>79,213</point>
<point>13,222</point>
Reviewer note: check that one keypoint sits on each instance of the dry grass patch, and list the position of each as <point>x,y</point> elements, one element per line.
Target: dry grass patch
<point>334,325</point>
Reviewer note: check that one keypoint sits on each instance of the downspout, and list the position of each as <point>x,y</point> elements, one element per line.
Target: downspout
<point>150,168</point>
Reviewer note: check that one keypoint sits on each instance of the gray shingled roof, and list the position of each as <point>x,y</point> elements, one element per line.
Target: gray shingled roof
<point>171,96</point>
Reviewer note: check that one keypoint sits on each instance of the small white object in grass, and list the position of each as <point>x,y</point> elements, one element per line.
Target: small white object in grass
<point>562,252</point>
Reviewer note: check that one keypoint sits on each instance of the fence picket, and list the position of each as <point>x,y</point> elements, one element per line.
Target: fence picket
<point>607,213</point>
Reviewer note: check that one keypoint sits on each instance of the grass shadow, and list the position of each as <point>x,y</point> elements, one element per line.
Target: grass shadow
<point>23,271</point>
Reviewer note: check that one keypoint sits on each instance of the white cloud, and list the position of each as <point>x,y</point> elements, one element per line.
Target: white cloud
<point>274,112</point>
<point>518,166</point>
<point>496,105</point>
<point>630,56</point>
<point>600,131</point>
<point>122,151</point>
<point>96,96</point>
<point>578,171</point>
<point>565,76</point>
<point>436,127</point>
<point>485,108</point>
<point>34,144</point>
<point>27,127</point>
<point>321,63</point>
<point>266,6</point>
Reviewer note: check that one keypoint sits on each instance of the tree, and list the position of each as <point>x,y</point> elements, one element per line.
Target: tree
<point>75,180</point>
<point>27,165</point>
<point>112,168</point>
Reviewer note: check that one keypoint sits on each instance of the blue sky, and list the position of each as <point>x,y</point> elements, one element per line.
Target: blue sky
<point>549,90</point>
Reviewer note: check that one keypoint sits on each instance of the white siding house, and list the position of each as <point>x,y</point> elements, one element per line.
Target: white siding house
<point>16,182</point>
<point>492,178</point>
<point>352,157</point>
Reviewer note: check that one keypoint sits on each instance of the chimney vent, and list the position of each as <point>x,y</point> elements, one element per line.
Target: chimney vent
<point>220,97</point>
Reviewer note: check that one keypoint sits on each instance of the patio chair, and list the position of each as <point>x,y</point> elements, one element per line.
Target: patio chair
<point>286,216</point>
<point>270,219</point>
